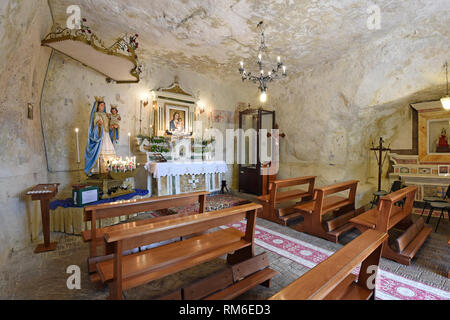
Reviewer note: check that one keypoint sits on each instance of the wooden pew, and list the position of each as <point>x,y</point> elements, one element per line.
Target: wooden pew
<point>343,208</point>
<point>125,272</point>
<point>387,216</point>
<point>227,283</point>
<point>273,202</point>
<point>333,279</point>
<point>95,236</point>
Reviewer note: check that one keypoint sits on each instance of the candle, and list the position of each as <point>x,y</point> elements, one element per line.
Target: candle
<point>279,59</point>
<point>78,146</point>
<point>129,143</point>
<point>242,64</point>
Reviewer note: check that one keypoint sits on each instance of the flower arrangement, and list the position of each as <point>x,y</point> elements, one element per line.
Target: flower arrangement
<point>120,165</point>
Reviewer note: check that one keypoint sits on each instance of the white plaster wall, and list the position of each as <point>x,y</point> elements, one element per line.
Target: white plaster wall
<point>22,72</point>
<point>331,113</point>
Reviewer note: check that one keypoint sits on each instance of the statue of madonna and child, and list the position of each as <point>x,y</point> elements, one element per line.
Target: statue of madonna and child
<point>100,148</point>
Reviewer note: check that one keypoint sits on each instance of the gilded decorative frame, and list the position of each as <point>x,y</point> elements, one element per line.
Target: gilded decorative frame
<point>172,106</point>
<point>424,156</point>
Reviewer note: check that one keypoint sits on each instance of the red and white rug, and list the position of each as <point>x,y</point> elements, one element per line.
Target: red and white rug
<point>389,285</point>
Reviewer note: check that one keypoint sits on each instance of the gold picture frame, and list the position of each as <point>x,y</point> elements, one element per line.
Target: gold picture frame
<point>176,118</point>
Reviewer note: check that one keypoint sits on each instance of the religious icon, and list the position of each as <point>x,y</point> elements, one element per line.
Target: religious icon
<point>442,142</point>
<point>114,124</point>
<point>99,147</point>
<point>177,119</point>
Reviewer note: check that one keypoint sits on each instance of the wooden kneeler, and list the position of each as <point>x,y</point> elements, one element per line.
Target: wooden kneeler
<point>342,208</point>
<point>227,283</point>
<point>387,216</point>
<point>276,204</point>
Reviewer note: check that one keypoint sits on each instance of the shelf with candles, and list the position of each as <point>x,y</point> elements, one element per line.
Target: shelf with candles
<point>120,169</point>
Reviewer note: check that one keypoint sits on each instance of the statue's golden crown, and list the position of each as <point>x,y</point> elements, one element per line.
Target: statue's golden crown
<point>99,99</point>
<point>114,106</point>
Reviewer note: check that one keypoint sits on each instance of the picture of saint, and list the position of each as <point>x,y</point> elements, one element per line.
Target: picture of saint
<point>177,123</point>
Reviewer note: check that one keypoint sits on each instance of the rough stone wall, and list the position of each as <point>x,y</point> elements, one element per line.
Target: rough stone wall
<point>22,72</point>
<point>69,93</point>
<point>332,112</point>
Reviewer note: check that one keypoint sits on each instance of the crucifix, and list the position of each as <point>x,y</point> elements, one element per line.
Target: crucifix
<point>380,160</point>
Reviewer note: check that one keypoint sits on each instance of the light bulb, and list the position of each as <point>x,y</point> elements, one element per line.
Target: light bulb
<point>445,101</point>
<point>77,130</point>
<point>129,134</point>
<point>262,71</point>
<point>263,97</point>
<point>242,64</point>
<point>279,59</point>
<point>144,96</point>
<point>284,69</point>
<point>259,57</point>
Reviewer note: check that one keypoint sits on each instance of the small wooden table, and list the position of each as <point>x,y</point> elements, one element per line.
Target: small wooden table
<point>43,193</point>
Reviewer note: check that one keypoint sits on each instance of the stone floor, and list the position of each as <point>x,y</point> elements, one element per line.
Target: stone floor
<point>31,276</point>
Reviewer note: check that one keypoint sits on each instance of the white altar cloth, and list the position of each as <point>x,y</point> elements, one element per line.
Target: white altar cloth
<point>178,168</point>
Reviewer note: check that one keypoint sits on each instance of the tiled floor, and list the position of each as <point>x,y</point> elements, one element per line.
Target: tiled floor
<point>43,276</point>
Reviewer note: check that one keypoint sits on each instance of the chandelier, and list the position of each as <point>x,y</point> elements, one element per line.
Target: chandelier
<point>263,78</point>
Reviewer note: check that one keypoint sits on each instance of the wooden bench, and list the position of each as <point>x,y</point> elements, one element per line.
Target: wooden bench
<point>333,279</point>
<point>273,202</point>
<point>95,236</point>
<point>343,209</point>
<point>227,283</point>
<point>125,272</point>
<point>387,216</point>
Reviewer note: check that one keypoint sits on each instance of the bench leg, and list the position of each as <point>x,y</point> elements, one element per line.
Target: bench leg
<point>115,293</point>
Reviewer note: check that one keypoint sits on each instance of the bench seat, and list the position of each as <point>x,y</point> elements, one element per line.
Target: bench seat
<point>284,196</point>
<point>143,267</point>
<point>330,204</point>
<point>369,218</point>
<point>100,233</point>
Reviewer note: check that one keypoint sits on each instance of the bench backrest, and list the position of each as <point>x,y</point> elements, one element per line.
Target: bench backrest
<point>182,226</point>
<point>321,193</point>
<point>320,281</point>
<point>386,206</point>
<point>127,207</point>
<point>276,185</point>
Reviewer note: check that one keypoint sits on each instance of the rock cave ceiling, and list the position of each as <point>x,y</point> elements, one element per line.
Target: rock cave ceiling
<point>213,36</point>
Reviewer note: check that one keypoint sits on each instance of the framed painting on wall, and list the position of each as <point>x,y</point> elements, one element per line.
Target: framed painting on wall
<point>443,170</point>
<point>177,119</point>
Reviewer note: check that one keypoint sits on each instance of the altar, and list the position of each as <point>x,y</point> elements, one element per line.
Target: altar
<point>176,177</point>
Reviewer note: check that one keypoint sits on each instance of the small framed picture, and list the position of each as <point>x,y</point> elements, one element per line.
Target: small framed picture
<point>443,170</point>
<point>30,111</point>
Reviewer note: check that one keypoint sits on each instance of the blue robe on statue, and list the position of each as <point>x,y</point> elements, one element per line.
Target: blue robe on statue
<point>114,135</point>
<point>94,144</point>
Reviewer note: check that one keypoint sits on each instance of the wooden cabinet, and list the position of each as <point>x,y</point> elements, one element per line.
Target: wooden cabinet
<point>256,151</point>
